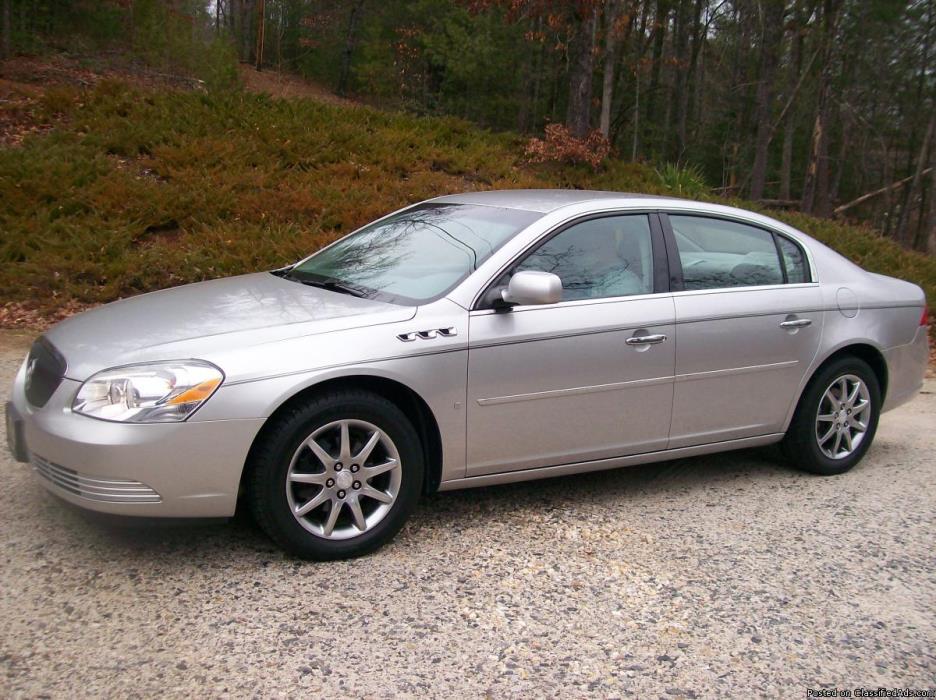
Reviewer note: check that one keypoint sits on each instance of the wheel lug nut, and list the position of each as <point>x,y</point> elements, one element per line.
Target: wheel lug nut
<point>330,483</point>
<point>354,467</point>
<point>341,494</point>
<point>338,466</point>
<point>357,484</point>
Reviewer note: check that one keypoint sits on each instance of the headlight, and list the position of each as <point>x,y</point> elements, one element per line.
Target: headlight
<point>164,392</point>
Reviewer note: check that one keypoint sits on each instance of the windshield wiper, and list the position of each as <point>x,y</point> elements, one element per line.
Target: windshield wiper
<point>332,285</point>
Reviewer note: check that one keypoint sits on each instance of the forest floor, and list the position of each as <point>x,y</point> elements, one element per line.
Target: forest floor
<point>285,85</point>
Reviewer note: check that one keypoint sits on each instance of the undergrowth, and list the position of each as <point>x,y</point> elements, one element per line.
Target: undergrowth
<point>133,190</point>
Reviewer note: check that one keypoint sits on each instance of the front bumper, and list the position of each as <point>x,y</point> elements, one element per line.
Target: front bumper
<point>189,469</point>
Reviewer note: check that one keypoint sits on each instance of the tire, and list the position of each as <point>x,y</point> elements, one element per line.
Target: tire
<point>801,445</point>
<point>287,474</point>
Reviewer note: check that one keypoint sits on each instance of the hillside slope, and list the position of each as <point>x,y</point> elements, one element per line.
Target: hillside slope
<point>112,190</point>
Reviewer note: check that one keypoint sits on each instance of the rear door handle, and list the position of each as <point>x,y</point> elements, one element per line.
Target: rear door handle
<point>645,339</point>
<point>796,323</point>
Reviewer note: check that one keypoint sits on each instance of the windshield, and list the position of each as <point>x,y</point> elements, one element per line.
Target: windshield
<point>414,256</point>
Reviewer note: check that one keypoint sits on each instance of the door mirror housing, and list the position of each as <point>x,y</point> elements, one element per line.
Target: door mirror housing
<point>532,287</point>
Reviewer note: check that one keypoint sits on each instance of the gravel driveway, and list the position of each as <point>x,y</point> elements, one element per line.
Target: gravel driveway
<point>694,578</point>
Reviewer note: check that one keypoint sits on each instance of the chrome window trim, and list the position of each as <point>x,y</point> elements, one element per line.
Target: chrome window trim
<point>570,302</point>
<point>813,273</point>
<point>753,288</point>
<point>556,229</point>
<point>690,209</point>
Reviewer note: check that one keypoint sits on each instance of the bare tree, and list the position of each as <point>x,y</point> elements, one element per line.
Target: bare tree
<point>771,39</point>
<point>581,68</point>
<point>6,43</point>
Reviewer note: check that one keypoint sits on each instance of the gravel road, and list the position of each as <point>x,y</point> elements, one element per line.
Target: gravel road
<point>694,578</point>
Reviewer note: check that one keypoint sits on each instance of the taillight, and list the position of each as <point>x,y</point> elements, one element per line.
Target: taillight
<point>924,317</point>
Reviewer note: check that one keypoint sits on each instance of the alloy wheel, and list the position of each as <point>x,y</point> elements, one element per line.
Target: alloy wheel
<point>843,416</point>
<point>343,479</point>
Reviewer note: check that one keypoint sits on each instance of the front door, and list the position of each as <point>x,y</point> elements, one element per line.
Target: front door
<point>587,378</point>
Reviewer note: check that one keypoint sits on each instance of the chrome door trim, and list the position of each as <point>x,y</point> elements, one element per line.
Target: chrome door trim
<point>578,390</point>
<point>573,391</point>
<point>693,376</point>
<point>610,463</point>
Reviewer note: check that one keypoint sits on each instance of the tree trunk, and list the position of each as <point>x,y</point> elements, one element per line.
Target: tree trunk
<point>581,66</point>
<point>771,39</point>
<point>789,126</point>
<point>661,19</point>
<point>816,185</point>
<point>928,239</point>
<point>261,32</point>
<point>345,73</point>
<point>636,115</point>
<point>687,97</point>
<point>6,41</point>
<point>607,88</point>
<point>903,227</point>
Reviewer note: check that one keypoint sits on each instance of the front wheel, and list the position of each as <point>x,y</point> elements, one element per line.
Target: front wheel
<point>336,477</point>
<point>836,419</point>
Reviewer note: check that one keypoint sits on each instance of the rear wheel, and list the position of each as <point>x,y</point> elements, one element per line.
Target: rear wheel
<point>336,477</point>
<point>836,419</point>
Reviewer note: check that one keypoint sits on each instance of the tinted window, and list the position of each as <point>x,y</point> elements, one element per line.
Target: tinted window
<point>416,255</point>
<point>794,260</point>
<point>607,257</point>
<point>715,253</point>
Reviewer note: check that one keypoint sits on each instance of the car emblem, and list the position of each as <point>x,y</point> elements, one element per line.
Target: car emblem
<point>30,369</point>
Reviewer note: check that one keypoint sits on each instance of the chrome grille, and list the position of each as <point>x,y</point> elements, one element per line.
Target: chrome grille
<point>92,488</point>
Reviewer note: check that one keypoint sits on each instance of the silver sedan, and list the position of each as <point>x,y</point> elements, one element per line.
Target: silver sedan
<point>468,340</point>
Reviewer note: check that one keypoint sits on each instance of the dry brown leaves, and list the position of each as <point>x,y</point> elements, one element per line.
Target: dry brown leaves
<point>560,146</point>
<point>14,314</point>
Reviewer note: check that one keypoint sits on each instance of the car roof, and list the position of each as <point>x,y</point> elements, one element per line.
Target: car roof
<point>543,201</point>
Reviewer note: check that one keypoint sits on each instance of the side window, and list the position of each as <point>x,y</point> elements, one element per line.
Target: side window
<point>607,257</point>
<point>794,260</point>
<point>715,253</point>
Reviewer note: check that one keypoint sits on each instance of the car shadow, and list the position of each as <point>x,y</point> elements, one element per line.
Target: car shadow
<point>205,539</point>
<point>764,464</point>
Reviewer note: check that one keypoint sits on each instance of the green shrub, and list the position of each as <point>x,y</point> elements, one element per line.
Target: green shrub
<point>682,180</point>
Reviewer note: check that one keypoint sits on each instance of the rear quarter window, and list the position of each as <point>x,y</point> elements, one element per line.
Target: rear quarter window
<point>795,261</point>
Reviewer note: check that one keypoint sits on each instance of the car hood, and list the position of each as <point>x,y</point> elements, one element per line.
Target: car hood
<point>199,320</point>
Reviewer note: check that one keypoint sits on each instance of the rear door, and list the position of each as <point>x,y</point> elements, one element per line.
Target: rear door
<point>588,378</point>
<point>748,327</point>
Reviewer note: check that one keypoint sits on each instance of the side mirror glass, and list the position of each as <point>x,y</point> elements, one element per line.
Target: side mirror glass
<point>532,287</point>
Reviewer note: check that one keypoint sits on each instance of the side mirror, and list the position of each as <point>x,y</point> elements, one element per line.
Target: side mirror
<point>530,287</point>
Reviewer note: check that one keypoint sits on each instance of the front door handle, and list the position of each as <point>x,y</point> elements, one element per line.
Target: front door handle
<point>645,339</point>
<point>796,323</point>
